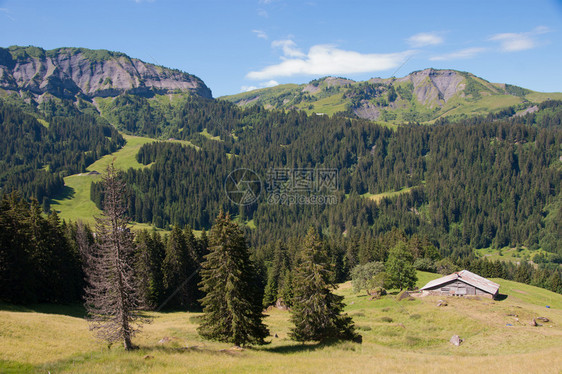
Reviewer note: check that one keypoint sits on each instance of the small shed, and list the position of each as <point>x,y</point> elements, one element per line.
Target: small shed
<point>462,283</point>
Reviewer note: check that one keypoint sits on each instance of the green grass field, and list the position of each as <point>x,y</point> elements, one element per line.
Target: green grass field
<point>510,254</point>
<point>74,203</point>
<point>405,336</point>
<point>379,196</point>
<point>207,135</point>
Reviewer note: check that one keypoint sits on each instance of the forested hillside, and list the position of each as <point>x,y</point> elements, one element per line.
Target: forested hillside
<point>488,181</point>
<point>38,150</point>
<point>459,185</point>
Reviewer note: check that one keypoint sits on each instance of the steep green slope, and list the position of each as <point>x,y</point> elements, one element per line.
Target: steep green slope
<point>422,96</point>
<point>74,202</point>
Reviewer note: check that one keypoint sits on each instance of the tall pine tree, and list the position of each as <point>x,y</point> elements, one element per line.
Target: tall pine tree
<point>112,297</point>
<point>232,305</point>
<point>317,311</point>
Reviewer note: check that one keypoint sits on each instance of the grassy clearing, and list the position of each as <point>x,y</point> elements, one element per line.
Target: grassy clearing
<point>539,97</point>
<point>458,106</point>
<point>206,134</point>
<point>379,196</point>
<point>507,254</point>
<point>74,202</point>
<point>328,105</point>
<point>406,336</point>
<point>43,122</point>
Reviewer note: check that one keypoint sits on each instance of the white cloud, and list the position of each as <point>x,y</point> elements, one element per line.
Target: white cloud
<point>263,13</point>
<point>513,42</point>
<point>260,34</point>
<point>270,83</point>
<point>461,54</point>
<point>248,88</point>
<point>326,60</point>
<point>289,48</point>
<point>424,39</point>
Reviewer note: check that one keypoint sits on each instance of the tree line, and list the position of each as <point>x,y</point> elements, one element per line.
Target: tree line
<point>43,260</point>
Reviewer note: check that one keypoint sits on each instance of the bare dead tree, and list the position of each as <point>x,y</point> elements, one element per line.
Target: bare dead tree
<point>112,298</point>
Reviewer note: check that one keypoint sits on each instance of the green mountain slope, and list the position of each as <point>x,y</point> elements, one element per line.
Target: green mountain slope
<point>422,96</point>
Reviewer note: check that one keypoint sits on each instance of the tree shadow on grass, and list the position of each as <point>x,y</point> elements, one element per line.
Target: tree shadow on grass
<point>66,193</point>
<point>70,310</point>
<point>297,347</point>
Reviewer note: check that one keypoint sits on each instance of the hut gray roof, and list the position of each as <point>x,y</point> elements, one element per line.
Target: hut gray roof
<point>466,277</point>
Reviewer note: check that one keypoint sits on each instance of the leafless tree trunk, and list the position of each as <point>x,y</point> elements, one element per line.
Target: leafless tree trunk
<point>112,298</point>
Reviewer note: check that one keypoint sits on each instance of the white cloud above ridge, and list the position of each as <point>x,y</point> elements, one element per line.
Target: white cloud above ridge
<point>459,55</point>
<point>326,59</point>
<point>270,83</point>
<point>289,48</point>
<point>424,39</point>
<point>515,42</point>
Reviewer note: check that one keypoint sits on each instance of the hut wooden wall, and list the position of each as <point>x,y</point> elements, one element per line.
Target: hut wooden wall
<point>458,288</point>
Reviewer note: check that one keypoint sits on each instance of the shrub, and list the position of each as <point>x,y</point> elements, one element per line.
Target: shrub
<point>424,264</point>
<point>368,276</point>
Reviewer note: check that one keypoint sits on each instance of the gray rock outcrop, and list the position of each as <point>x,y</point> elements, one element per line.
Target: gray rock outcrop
<point>68,72</point>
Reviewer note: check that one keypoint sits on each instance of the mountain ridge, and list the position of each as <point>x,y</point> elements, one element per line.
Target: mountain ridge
<point>421,96</point>
<point>71,72</point>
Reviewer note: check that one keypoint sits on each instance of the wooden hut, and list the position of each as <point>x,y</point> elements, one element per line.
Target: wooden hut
<point>462,283</point>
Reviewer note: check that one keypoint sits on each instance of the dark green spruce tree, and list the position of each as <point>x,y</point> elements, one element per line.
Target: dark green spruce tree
<point>232,305</point>
<point>149,256</point>
<point>274,274</point>
<point>178,266</point>
<point>317,311</point>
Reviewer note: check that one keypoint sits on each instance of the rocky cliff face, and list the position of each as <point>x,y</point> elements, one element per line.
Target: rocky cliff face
<point>68,72</point>
<point>431,87</point>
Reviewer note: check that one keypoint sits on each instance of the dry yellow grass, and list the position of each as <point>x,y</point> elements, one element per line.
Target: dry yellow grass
<point>415,341</point>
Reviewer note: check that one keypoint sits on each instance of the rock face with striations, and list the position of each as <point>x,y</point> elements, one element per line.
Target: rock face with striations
<point>431,87</point>
<point>68,72</point>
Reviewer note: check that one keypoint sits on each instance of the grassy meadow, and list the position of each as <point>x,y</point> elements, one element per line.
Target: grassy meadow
<point>74,203</point>
<point>406,336</point>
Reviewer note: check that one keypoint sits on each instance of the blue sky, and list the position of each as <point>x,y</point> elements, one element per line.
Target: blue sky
<point>237,45</point>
